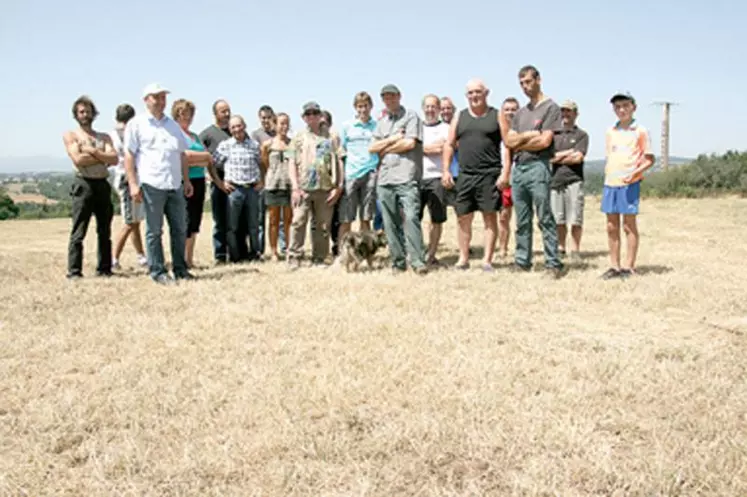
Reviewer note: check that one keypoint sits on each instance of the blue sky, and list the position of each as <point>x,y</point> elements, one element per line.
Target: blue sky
<point>285,53</point>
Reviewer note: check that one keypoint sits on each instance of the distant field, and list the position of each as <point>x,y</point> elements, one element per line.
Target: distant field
<point>15,193</point>
<point>253,381</point>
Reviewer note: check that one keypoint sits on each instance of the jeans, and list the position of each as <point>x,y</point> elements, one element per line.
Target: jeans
<point>378,222</point>
<point>530,187</point>
<point>406,196</point>
<point>243,206</point>
<point>90,197</point>
<point>173,205</point>
<point>219,207</point>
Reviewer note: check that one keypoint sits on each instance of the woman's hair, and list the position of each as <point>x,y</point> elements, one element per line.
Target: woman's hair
<point>180,106</point>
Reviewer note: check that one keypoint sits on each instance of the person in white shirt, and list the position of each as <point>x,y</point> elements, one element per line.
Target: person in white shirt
<point>156,169</point>
<point>133,213</point>
<point>432,192</point>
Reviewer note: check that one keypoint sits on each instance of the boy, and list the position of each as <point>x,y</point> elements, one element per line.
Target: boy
<point>628,151</point>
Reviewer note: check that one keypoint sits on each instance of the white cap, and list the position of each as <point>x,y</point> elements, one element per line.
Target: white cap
<point>154,89</point>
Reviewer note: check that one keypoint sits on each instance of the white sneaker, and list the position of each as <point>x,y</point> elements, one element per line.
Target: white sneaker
<point>142,260</point>
<point>115,264</point>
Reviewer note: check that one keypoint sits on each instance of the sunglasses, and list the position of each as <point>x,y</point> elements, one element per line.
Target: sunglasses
<point>311,113</point>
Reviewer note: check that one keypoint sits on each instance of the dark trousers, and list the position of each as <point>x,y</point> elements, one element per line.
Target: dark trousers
<point>219,208</point>
<point>243,219</point>
<point>90,197</point>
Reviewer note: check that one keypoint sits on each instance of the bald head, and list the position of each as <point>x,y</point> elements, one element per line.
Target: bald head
<point>477,95</point>
<point>237,126</point>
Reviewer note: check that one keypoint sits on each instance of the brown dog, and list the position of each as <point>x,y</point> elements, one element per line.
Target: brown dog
<point>355,247</point>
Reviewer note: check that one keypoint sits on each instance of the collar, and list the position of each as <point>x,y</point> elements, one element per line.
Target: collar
<point>632,126</point>
<point>153,119</point>
<point>361,124</point>
<point>400,112</point>
<point>434,123</point>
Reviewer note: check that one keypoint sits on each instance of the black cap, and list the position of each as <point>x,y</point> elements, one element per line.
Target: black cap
<point>390,89</point>
<point>622,95</point>
<point>311,106</point>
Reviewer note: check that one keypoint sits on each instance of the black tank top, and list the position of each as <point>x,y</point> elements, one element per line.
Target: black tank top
<point>479,142</point>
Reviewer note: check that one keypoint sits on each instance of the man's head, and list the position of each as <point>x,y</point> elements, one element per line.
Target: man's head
<point>510,107</point>
<point>477,94</point>
<point>624,105</point>
<point>282,124</point>
<point>431,108</point>
<point>529,79</point>
<point>391,97</point>
<point>326,119</point>
<point>154,96</point>
<point>569,113</point>
<point>363,105</point>
<point>312,115</point>
<point>124,113</point>
<point>447,109</point>
<point>237,126</point>
<point>84,111</point>
<point>183,111</point>
<point>222,113</point>
<point>266,118</point>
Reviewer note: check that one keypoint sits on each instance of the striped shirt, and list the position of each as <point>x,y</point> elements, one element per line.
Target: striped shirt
<point>239,159</point>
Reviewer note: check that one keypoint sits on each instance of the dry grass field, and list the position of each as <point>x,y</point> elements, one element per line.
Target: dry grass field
<point>256,381</point>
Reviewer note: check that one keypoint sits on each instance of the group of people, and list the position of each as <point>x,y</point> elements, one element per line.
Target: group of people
<point>388,171</point>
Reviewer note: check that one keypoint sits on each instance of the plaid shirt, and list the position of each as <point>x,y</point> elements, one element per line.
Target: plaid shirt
<point>239,159</point>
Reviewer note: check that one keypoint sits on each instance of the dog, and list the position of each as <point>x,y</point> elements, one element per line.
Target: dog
<point>355,247</point>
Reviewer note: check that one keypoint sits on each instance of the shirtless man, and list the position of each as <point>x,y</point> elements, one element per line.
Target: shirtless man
<point>92,153</point>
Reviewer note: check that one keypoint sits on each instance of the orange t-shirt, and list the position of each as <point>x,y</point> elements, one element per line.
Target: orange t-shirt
<point>626,149</point>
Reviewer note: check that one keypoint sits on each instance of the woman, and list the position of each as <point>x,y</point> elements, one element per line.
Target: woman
<point>183,111</point>
<point>275,159</point>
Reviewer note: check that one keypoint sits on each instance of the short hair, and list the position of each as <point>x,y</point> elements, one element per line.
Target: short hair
<point>124,113</point>
<point>215,104</point>
<point>450,101</point>
<point>84,100</point>
<point>431,95</point>
<point>327,117</point>
<point>362,97</point>
<point>529,68</point>
<point>266,108</point>
<point>511,100</point>
<point>181,105</point>
<point>239,117</point>
<point>282,114</point>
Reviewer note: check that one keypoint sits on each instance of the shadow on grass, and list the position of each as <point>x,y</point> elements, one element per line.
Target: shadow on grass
<point>229,272</point>
<point>653,269</point>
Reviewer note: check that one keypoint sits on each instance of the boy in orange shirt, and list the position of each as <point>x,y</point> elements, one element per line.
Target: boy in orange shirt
<point>628,151</point>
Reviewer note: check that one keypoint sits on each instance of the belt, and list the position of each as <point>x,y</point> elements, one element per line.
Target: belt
<point>242,185</point>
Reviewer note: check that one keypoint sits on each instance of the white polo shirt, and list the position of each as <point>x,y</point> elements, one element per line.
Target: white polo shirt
<point>157,145</point>
<point>432,163</point>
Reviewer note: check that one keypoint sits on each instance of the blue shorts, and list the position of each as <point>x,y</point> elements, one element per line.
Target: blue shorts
<point>621,199</point>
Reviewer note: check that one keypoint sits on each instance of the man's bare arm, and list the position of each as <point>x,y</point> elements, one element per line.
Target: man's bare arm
<point>198,159</point>
<point>109,154</point>
<point>573,158</point>
<point>79,158</point>
<point>449,146</point>
<point>436,148</point>
<point>129,165</point>
<point>378,146</point>
<point>537,142</point>
<point>401,146</point>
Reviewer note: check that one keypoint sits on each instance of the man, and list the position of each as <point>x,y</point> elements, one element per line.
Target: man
<point>398,141</point>
<point>477,131</point>
<point>448,109</point>
<point>92,153</point>
<point>359,196</point>
<point>158,174</point>
<point>510,107</point>
<point>325,123</point>
<point>567,185</point>
<point>239,156</point>
<point>432,191</point>
<point>133,213</point>
<point>266,131</point>
<point>211,137</point>
<point>316,178</point>
<point>530,139</point>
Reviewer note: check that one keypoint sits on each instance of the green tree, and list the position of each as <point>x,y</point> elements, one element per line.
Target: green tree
<point>8,208</point>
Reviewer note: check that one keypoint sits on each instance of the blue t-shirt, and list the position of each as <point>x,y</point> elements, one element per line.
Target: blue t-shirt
<point>196,146</point>
<point>355,138</point>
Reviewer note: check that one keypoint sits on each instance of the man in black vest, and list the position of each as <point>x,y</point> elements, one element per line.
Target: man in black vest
<point>477,132</point>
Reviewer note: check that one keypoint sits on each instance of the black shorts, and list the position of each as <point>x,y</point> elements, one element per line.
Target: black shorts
<point>195,206</point>
<point>277,198</point>
<point>477,192</point>
<point>433,194</point>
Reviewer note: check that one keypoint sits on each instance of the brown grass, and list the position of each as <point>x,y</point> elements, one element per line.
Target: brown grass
<point>256,381</point>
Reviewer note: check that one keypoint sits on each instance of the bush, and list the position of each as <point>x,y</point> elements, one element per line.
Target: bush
<point>706,175</point>
<point>28,188</point>
<point>8,208</point>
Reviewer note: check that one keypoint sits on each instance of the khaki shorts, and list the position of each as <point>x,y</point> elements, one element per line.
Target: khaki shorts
<point>568,204</point>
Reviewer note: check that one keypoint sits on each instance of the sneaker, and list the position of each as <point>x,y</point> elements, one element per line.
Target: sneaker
<point>74,276</point>
<point>611,273</point>
<point>518,268</point>
<point>554,273</point>
<point>115,264</point>
<point>421,270</point>
<point>627,273</point>
<point>575,258</point>
<point>488,268</point>
<point>142,260</point>
<point>186,276</point>
<point>163,279</point>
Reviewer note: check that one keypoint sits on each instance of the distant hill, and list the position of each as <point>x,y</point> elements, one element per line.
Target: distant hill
<point>597,165</point>
<point>14,165</point>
